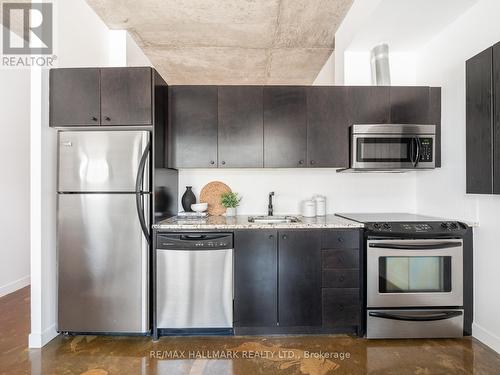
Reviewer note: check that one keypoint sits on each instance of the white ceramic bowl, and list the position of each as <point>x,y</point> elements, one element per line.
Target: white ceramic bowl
<point>199,207</point>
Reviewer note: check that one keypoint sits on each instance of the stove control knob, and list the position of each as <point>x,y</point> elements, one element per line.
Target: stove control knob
<point>444,225</point>
<point>454,226</point>
<point>376,226</point>
<point>387,226</point>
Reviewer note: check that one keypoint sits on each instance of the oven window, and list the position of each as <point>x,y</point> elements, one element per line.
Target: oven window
<point>383,149</point>
<point>415,274</point>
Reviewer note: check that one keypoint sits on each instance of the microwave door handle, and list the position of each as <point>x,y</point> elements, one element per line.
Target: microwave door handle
<point>416,318</point>
<point>414,152</point>
<point>433,246</point>
<point>417,159</point>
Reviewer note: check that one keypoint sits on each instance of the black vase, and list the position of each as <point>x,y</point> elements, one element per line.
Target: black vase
<point>188,199</point>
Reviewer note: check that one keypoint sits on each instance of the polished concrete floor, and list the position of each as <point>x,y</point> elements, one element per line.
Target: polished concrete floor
<point>304,355</point>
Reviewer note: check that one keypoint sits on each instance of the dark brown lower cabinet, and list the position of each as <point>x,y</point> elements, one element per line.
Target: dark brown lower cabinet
<point>299,278</point>
<point>297,281</point>
<point>255,278</point>
<point>341,307</point>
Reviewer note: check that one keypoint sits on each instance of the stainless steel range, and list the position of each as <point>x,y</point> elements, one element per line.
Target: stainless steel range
<point>414,276</point>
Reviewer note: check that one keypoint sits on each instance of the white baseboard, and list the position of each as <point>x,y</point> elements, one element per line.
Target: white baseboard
<point>14,285</point>
<point>486,337</point>
<point>38,340</point>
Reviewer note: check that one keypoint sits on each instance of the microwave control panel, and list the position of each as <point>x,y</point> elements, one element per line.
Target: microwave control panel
<point>426,146</point>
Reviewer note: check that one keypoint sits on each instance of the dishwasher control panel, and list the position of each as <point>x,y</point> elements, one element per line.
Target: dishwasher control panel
<point>194,241</point>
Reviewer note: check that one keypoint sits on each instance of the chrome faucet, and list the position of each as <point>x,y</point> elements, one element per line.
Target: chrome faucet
<point>270,206</point>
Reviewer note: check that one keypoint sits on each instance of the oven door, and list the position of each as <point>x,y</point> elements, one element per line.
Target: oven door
<point>392,151</point>
<point>414,273</point>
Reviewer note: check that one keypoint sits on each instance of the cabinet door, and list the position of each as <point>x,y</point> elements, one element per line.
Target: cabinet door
<point>327,127</point>
<point>479,122</point>
<point>126,96</point>
<point>193,126</point>
<point>435,118</point>
<point>241,130</point>
<point>255,278</point>
<point>285,130</point>
<point>74,97</point>
<point>496,119</point>
<point>369,105</point>
<point>299,278</point>
<point>410,105</point>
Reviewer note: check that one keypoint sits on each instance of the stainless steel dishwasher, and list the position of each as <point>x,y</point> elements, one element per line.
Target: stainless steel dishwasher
<point>194,282</point>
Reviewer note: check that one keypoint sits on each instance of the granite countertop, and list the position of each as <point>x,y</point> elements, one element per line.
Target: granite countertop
<point>241,222</point>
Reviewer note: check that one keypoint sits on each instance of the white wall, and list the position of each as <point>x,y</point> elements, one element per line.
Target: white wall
<point>442,63</point>
<point>357,68</point>
<point>345,192</point>
<point>14,180</point>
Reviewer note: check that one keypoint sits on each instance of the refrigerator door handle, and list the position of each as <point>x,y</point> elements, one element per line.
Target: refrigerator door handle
<point>139,193</point>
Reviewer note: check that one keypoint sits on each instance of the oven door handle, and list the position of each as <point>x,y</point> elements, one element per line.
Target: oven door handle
<point>416,318</point>
<point>433,246</point>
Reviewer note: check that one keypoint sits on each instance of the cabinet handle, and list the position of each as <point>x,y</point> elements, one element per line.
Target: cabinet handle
<point>212,162</point>
<point>301,162</point>
<point>94,118</point>
<point>341,239</point>
<point>341,278</point>
<point>223,162</point>
<point>284,237</point>
<point>107,118</point>
<point>312,162</point>
<point>271,236</point>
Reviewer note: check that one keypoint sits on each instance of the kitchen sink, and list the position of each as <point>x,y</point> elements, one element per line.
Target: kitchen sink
<point>273,219</point>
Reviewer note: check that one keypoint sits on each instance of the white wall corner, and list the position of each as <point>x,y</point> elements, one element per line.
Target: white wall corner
<point>486,337</point>
<point>326,76</point>
<point>355,18</point>
<point>38,340</point>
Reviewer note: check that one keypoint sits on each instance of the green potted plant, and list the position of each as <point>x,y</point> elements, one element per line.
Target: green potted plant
<point>230,201</point>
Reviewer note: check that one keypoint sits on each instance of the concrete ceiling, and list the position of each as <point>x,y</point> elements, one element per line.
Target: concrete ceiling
<point>230,41</point>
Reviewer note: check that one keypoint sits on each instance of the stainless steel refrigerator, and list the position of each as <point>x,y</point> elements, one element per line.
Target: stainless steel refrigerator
<point>103,218</point>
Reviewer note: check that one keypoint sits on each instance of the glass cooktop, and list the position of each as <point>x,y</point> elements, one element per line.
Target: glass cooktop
<point>388,217</point>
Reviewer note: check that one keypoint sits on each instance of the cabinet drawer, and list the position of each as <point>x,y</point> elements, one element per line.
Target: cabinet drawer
<point>340,278</point>
<point>339,259</point>
<point>341,307</point>
<point>340,239</point>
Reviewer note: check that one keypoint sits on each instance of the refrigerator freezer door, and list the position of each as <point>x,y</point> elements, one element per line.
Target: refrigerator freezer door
<point>101,161</point>
<point>103,269</point>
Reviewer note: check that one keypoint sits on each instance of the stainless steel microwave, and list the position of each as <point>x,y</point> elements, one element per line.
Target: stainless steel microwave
<point>392,147</point>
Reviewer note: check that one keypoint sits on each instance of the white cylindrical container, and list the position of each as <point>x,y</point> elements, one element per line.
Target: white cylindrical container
<point>309,208</point>
<point>320,205</point>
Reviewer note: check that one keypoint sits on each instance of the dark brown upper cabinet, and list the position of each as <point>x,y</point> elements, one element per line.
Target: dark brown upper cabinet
<point>285,127</point>
<point>107,96</point>
<point>482,83</point>
<point>193,126</point>
<point>240,129</point>
<point>74,97</point>
<point>369,105</point>
<point>327,126</point>
<point>126,96</point>
<point>410,105</point>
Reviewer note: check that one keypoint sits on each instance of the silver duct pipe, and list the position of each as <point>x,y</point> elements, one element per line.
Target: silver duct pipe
<point>379,59</point>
